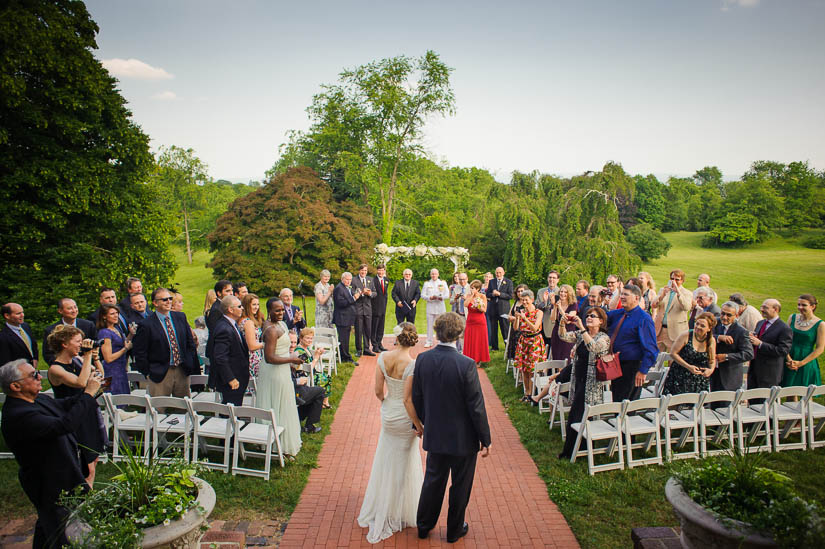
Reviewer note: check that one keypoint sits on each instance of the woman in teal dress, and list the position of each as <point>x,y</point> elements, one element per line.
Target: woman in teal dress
<point>275,389</point>
<point>801,365</point>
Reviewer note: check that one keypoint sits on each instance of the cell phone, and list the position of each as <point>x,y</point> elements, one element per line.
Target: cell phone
<point>106,382</point>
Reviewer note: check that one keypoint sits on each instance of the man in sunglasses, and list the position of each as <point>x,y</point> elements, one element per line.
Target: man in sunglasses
<point>733,349</point>
<point>39,430</point>
<point>164,349</point>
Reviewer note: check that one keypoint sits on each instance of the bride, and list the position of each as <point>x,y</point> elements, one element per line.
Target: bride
<point>391,500</point>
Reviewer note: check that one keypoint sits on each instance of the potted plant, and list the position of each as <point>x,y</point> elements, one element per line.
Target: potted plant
<point>161,503</point>
<point>736,502</point>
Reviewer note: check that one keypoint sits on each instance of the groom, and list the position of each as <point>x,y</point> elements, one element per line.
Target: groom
<point>448,401</point>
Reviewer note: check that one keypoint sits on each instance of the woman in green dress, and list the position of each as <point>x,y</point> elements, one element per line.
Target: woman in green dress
<point>801,365</point>
<point>275,389</point>
<point>312,362</point>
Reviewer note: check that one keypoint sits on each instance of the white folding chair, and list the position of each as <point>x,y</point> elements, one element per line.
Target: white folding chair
<point>137,383</point>
<point>195,380</point>
<point>674,418</point>
<point>641,418</point>
<point>720,418</point>
<point>561,405</point>
<point>140,423</point>
<point>791,415</point>
<point>661,358</point>
<point>541,376</point>
<point>755,415</point>
<point>210,420</point>
<point>333,333</point>
<point>593,427</point>
<point>250,399</point>
<point>815,416</point>
<point>329,357</point>
<point>657,379</point>
<point>265,432</point>
<point>170,415</point>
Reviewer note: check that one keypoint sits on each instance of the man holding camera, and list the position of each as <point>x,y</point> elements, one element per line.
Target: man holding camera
<point>39,430</point>
<point>164,349</point>
<point>546,299</point>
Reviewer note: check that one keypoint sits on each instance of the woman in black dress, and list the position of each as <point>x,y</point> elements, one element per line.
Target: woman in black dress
<point>68,374</point>
<point>694,357</point>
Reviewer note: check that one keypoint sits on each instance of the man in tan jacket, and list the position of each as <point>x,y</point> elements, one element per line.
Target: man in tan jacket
<point>674,303</point>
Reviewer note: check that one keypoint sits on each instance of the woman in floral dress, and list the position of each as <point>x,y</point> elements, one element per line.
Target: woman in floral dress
<point>694,358</point>
<point>530,348</point>
<point>312,363</point>
<point>251,323</point>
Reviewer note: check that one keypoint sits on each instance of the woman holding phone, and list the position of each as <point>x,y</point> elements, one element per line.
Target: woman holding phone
<point>563,312</point>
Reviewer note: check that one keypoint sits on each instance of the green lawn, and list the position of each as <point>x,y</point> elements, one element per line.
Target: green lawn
<point>779,268</point>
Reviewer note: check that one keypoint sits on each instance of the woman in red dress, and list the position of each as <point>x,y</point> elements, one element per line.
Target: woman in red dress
<point>475,334</point>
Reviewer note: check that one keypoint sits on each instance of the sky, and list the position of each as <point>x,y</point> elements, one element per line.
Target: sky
<point>660,86</point>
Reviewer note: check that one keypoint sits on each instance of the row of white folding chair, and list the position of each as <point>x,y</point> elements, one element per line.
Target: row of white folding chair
<point>200,420</point>
<point>336,347</point>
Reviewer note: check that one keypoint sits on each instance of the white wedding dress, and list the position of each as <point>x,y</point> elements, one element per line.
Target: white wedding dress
<point>391,501</point>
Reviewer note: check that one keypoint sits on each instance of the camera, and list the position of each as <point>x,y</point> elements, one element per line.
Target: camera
<point>605,292</point>
<point>95,345</point>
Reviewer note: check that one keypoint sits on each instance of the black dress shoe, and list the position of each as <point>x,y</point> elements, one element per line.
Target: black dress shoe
<point>378,347</point>
<point>313,429</point>
<point>423,533</point>
<point>368,353</point>
<point>460,535</point>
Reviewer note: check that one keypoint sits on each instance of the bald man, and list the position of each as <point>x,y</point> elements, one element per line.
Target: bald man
<point>771,342</point>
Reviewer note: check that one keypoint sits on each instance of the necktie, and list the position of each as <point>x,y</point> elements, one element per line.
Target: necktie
<point>240,335</point>
<point>382,284</point>
<point>173,342</point>
<point>25,337</point>
<point>762,329</point>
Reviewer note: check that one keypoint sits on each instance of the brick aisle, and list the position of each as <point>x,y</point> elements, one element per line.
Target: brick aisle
<point>508,503</point>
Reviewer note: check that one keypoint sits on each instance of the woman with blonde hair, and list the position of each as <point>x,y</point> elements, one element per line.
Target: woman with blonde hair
<point>566,307</point>
<point>250,324</point>
<point>211,298</point>
<point>694,358</point>
<point>648,286</point>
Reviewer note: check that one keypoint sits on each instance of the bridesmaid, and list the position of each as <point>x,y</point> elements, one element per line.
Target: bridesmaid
<point>275,389</point>
<point>251,324</point>
<point>801,365</point>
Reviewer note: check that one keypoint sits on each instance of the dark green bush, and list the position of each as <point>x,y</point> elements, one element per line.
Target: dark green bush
<point>647,242</point>
<point>732,231</point>
<point>815,241</point>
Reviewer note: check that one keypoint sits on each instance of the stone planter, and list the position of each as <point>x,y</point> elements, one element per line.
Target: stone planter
<point>183,533</point>
<point>701,528</point>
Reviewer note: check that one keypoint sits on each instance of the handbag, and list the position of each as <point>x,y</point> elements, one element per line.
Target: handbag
<point>608,367</point>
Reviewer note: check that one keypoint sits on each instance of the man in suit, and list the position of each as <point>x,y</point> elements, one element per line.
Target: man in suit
<point>133,286</point>
<point>39,430</point>
<point>223,288</point>
<point>137,311</point>
<point>499,294</point>
<point>771,342</point>
<point>67,308</point>
<point>363,311</point>
<point>164,349</point>
<point>447,398</point>
<point>733,349</point>
<point>405,295</point>
<point>704,304</point>
<point>108,296</point>
<point>749,316</point>
<point>379,306</point>
<point>672,313</point>
<point>230,355</point>
<point>310,400</point>
<point>545,301</point>
<point>16,340</point>
<point>239,290</point>
<point>343,316</point>
<point>293,315</point>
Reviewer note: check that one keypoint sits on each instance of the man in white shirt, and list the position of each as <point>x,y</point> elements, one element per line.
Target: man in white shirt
<point>434,292</point>
<point>703,281</point>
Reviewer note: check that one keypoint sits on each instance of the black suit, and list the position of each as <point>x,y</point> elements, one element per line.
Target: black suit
<point>290,320</point>
<point>212,318</point>
<point>769,358</point>
<point>447,398</point>
<point>343,317</point>
<point>728,374</point>
<point>379,308</point>
<point>41,436</point>
<point>151,347</point>
<point>132,316</point>
<point>85,326</point>
<point>363,313</point>
<point>230,360</point>
<point>497,306</point>
<point>312,397</point>
<point>13,347</point>
<point>400,292</point>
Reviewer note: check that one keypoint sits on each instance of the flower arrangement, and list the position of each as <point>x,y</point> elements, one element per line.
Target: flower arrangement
<point>459,256</point>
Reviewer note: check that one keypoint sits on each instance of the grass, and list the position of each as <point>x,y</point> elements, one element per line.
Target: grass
<point>602,509</point>
<point>779,268</point>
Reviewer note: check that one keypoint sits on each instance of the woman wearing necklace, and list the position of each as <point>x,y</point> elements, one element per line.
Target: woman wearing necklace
<point>801,365</point>
<point>694,358</point>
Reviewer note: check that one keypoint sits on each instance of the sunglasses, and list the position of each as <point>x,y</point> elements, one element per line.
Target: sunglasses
<point>164,299</point>
<point>591,316</point>
<point>723,313</point>
<point>34,375</point>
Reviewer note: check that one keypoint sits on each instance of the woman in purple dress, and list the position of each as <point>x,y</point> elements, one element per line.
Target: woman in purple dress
<point>565,305</point>
<point>115,349</point>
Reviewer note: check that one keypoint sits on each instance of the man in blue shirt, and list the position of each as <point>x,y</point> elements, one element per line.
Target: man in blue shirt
<point>634,338</point>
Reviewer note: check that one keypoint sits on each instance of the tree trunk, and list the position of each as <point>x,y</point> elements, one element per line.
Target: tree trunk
<point>186,231</point>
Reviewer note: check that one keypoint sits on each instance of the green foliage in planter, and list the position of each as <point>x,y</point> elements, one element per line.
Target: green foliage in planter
<point>141,496</point>
<point>739,488</point>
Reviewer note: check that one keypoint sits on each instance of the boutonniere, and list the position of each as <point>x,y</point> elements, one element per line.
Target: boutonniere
<point>503,282</point>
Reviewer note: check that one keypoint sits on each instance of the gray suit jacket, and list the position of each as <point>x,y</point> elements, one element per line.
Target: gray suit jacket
<point>363,305</point>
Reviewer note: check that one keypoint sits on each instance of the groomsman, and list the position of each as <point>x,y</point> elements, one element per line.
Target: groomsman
<point>379,306</point>
<point>405,295</point>
<point>343,316</point>
<point>363,311</point>
<point>499,294</point>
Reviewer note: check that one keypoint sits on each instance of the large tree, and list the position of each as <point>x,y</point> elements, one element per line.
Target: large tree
<point>73,166</point>
<point>367,128</point>
<point>289,230</point>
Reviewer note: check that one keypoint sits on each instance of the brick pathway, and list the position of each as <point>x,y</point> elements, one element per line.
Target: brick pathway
<point>509,506</point>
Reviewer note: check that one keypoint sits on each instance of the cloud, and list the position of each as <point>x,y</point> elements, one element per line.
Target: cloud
<point>165,96</point>
<point>135,68</point>
<point>726,4</point>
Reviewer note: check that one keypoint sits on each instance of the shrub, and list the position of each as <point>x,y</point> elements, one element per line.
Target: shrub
<point>647,242</point>
<point>732,231</point>
<point>815,241</point>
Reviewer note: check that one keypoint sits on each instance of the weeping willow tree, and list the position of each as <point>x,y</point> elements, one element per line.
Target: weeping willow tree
<point>570,225</point>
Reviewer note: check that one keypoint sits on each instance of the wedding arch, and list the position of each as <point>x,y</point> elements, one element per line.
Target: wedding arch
<point>457,255</point>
